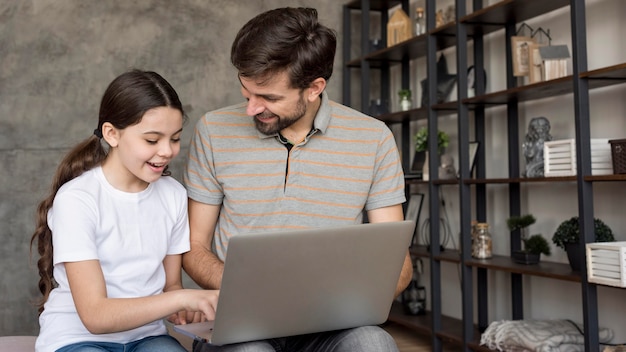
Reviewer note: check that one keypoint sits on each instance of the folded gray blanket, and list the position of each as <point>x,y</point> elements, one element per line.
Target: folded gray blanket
<point>538,335</point>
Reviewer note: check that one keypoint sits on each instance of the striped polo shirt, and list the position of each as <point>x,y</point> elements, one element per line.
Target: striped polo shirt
<point>347,164</point>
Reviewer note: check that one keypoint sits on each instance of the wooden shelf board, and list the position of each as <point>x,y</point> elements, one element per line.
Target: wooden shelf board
<point>519,180</point>
<point>615,72</point>
<point>399,116</point>
<point>453,181</point>
<point>495,17</point>
<point>418,323</point>
<point>606,76</point>
<point>412,48</point>
<point>603,77</point>
<point>605,178</point>
<point>374,4</point>
<point>475,346</point>
<point>599,78</point>
<point>448,255</point>
<point>547,269</point>
<point>451,328</point>
<point>419,251</point>
<point>486,20</point>
<point>540,90</point>
<point>409,115</point>
<point>592,178</point>
<point>415,181</point>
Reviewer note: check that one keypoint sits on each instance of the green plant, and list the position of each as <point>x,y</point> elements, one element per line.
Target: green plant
<point>404,93</point>
<point>421,140</point>
<point>569,232</point>
<point>536,244</point>
<point>520,222</point>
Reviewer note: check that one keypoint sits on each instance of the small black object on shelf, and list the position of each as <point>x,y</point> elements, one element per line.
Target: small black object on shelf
<point>414,296</point>
<point>414,299</point>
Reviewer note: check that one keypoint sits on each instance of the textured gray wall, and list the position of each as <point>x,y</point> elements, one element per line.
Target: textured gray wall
<point>56,59</point>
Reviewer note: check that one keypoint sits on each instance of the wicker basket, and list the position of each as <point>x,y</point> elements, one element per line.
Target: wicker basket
<point>618,154</point>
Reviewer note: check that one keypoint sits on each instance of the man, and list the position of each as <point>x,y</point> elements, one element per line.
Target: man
<point>288,158</point>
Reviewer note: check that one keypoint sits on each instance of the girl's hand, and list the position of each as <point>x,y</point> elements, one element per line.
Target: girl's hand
<point>183,317</point>
<point>202,301</point>
<point>198,305</point>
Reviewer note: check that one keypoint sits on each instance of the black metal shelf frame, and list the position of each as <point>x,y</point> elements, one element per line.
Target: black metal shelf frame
<point>472,26</point>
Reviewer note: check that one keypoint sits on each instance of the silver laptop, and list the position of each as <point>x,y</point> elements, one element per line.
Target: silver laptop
<point>278,284</point>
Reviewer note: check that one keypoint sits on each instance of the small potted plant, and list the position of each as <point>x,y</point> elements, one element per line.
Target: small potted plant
<point>533,246</point>
<point>405,99</point>
<point>567,237</point>
<point>421,140</point>
<point>421,148</point>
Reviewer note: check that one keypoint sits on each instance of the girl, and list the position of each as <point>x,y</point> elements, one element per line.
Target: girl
<point>112,231</point>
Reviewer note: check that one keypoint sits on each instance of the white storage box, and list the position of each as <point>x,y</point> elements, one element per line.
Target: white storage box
<point>606,263</point>
<point>559,157</point>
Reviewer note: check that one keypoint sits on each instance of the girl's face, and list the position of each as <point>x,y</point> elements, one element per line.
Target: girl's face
<point>140,153</point>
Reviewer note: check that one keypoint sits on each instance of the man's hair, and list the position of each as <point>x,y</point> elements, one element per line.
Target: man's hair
<point>285,39</point>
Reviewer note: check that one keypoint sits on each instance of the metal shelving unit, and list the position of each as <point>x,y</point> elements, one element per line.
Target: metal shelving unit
<point>472,26</point>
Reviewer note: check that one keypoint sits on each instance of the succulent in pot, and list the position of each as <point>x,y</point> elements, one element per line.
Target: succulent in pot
<point>568,232</point>
<point>567,237</point>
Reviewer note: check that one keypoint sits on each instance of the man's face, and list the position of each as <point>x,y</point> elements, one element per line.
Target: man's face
<point>273,104</point>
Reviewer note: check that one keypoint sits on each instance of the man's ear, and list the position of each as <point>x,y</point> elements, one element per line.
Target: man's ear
<point>110,134</point>
<point>315,89</point>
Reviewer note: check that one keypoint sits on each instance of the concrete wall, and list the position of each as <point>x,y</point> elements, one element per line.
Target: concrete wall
<point>56,59</point>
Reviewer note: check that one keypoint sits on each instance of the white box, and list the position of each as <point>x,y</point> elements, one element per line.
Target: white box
<point>606,263</point>
<point>559,157</point>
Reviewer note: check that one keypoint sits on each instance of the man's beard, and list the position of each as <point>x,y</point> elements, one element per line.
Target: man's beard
<point>282,122</point>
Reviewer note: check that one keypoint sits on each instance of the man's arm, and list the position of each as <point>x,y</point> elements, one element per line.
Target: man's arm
<point>394,213</point>
<point>202,265</point>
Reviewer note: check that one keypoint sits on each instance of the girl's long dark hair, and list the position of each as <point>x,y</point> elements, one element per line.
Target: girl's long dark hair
<point>123,104</point>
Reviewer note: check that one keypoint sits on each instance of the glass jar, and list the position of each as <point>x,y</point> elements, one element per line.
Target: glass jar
<point>482,245</point>
<point>473,234</point>
<point>420,21</point>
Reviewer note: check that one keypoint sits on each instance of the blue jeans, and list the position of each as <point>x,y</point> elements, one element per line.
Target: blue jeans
<point>363,339</point>
<point>162,343</point>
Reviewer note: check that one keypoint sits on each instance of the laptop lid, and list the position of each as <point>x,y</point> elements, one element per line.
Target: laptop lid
<point>294,282</point>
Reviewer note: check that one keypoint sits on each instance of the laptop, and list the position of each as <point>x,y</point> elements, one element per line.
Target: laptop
<point>293,282</point>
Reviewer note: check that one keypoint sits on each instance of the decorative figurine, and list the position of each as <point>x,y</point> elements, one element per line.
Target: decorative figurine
<point>440,18</point>
<point>446,169</point>
<point>538,133</point>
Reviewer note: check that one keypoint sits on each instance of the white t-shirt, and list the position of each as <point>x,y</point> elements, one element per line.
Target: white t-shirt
<point>129,233</point>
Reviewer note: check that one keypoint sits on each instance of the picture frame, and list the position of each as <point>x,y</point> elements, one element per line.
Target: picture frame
<point>535,73</point>
<point>521,55</point>
<point>471,80</point>
<point>419,158</point>
<point>473,151</point>
<point>413,211</point>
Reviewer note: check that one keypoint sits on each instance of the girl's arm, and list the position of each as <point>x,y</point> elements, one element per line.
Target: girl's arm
<point>101,314</point>
<point>173,281</point>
